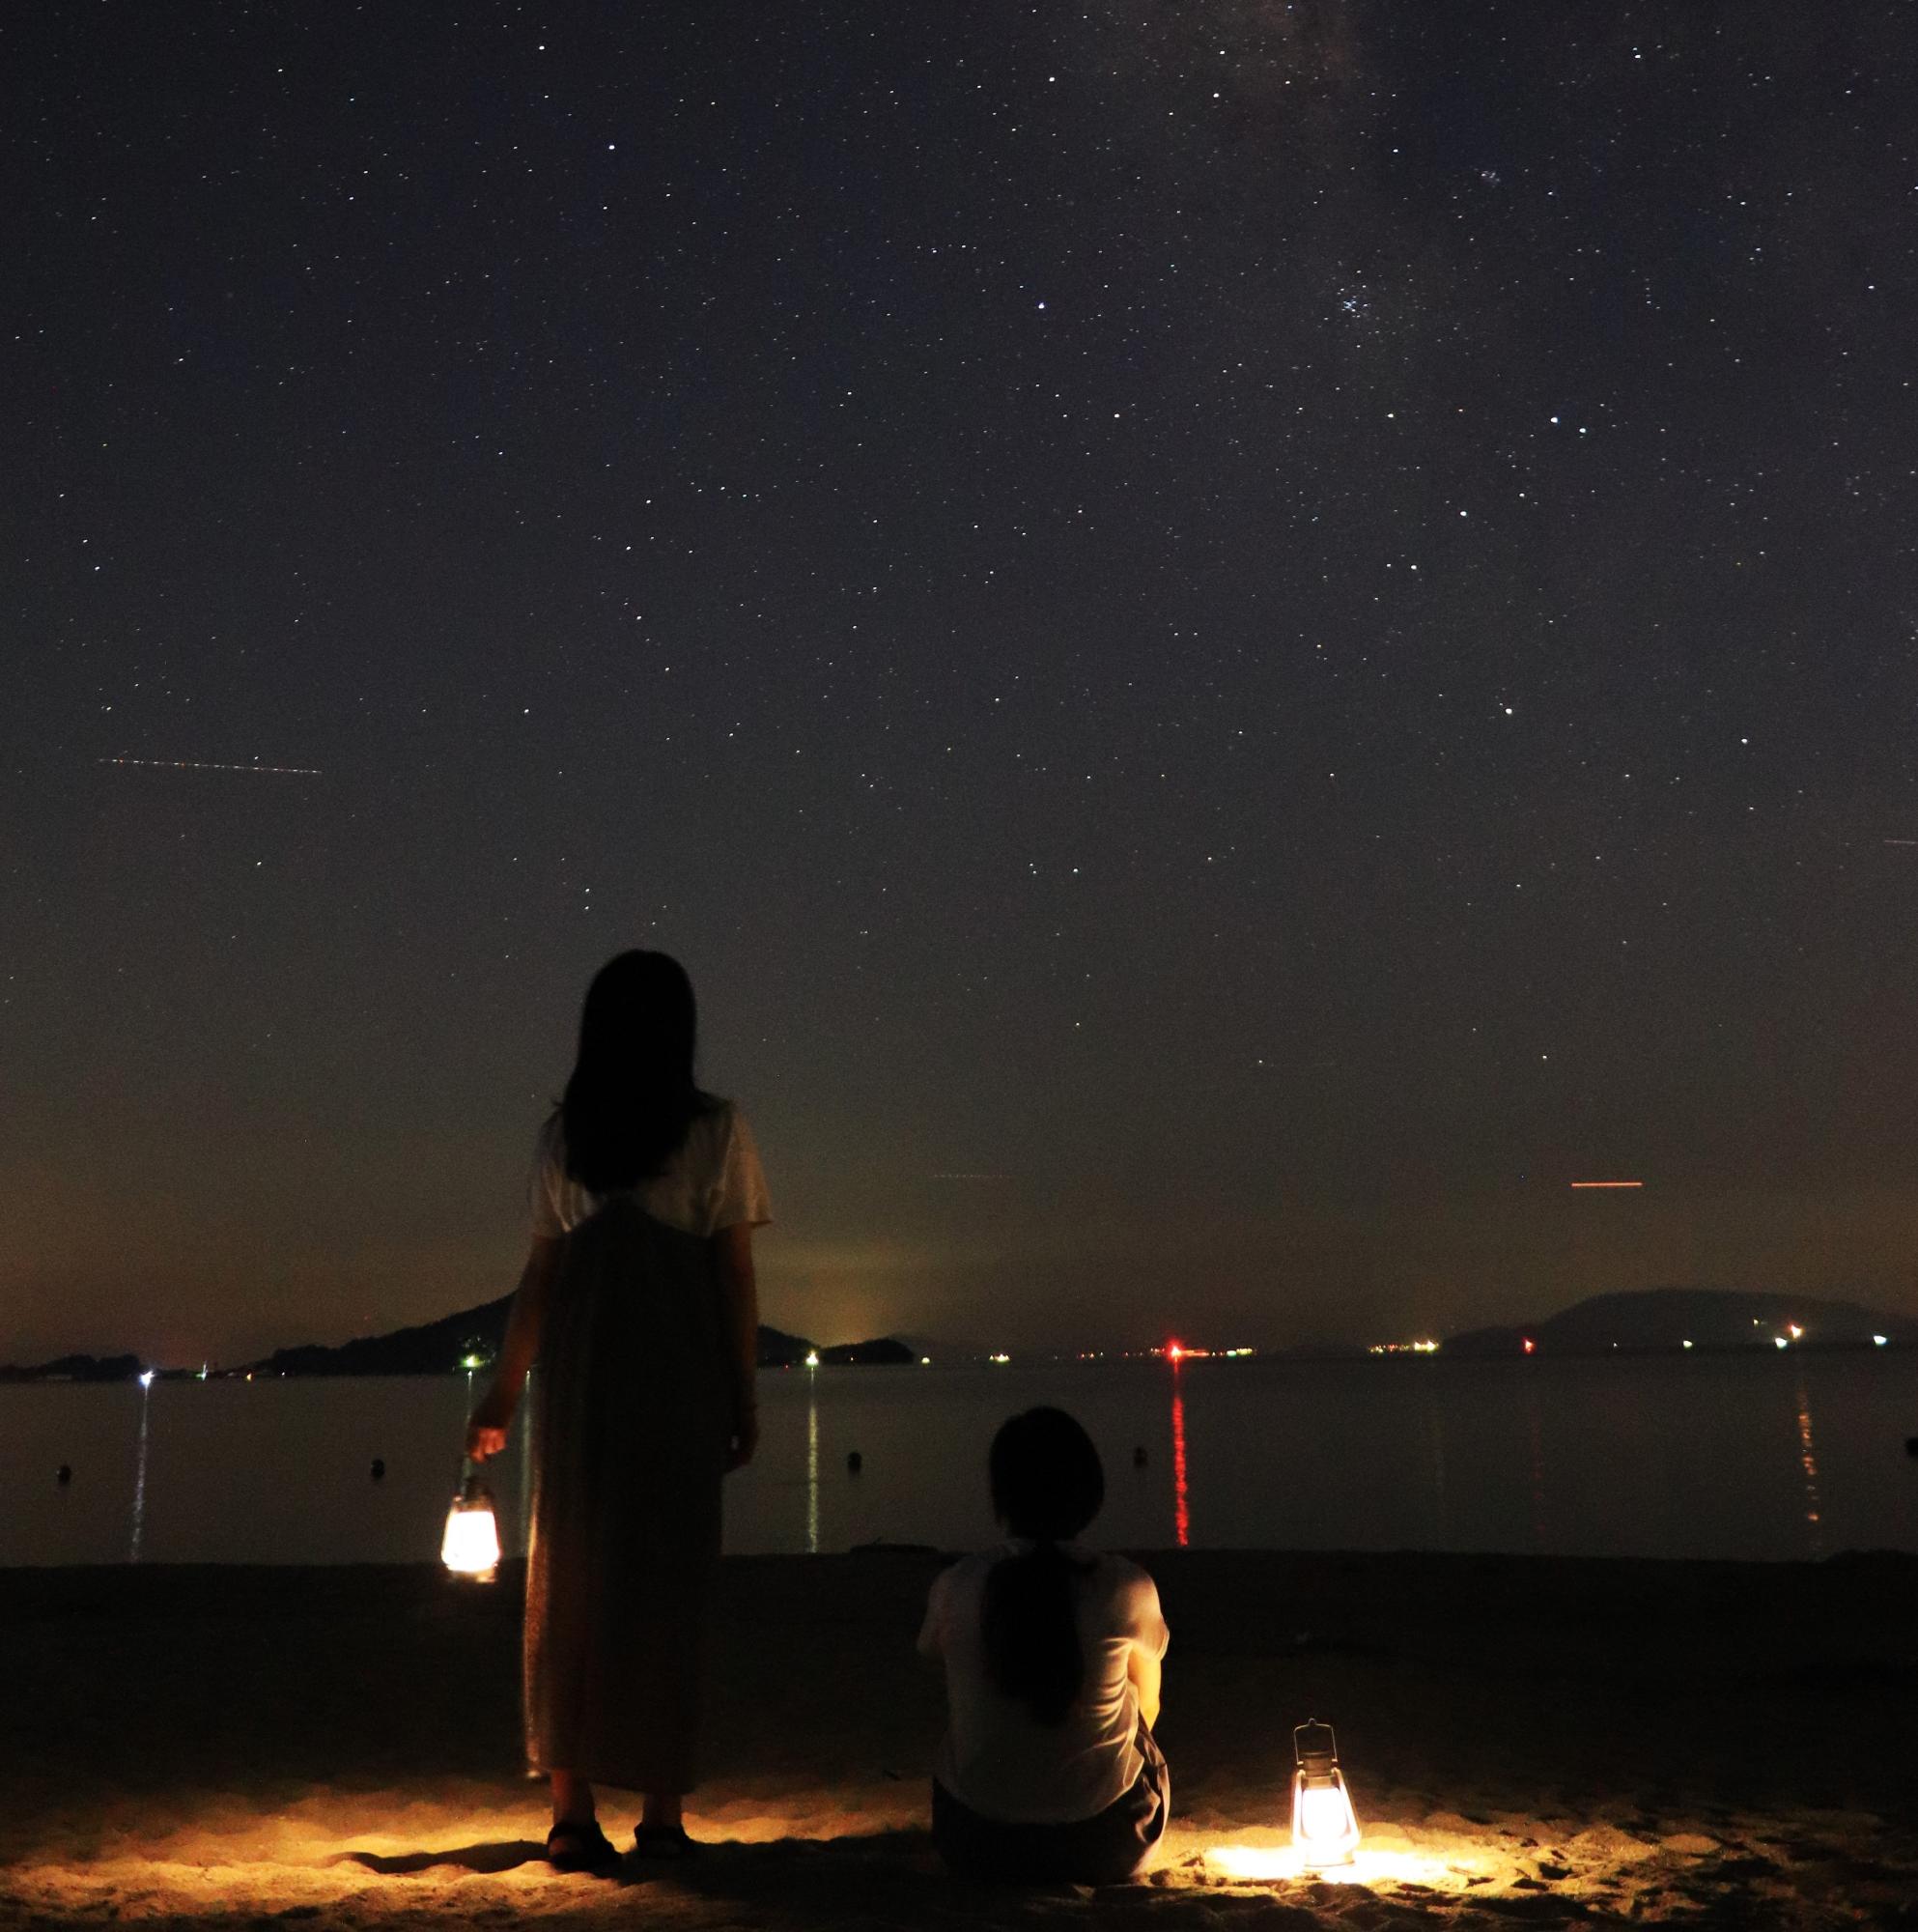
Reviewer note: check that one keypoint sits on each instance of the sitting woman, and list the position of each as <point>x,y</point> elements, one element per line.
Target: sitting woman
<point>1047,1770</point>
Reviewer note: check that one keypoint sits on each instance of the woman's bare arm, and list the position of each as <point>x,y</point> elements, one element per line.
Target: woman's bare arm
<point>739,1307</point>
<point>486,1433</point>
<point>1145,1671</point>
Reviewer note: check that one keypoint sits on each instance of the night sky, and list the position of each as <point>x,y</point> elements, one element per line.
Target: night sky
<point>1236,640</point>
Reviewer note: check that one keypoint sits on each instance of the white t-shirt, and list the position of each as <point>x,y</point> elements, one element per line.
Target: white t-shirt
<point>714,1181</point>
<point>994,1757</point>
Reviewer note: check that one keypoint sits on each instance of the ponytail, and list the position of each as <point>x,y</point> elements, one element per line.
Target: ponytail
<point>1046,1485</point>
<point>1030,1622</point>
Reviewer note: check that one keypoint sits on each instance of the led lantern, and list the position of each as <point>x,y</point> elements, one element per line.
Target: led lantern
<point>1325,1832</point>
<point>470,1547</point>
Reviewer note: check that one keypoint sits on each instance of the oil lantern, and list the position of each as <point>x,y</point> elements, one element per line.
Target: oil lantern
<point>470,1547</point>
<point>1325,1832</point>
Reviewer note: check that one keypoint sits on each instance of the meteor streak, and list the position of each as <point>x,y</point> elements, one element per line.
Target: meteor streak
<point>205,765</point>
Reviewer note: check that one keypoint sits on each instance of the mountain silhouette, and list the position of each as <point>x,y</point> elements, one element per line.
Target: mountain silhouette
<point>1638,1321</point>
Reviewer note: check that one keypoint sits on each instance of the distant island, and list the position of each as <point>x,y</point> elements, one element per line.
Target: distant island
<point>1637,1321</point>
<point>78,1368</point>
<point>1649,1321</point>
<point>471,1337</point>
<point>468,1340</point>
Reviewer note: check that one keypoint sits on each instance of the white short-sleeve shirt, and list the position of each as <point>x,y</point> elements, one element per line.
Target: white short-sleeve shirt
<point>996,1758</point>
<point>712,1183</point>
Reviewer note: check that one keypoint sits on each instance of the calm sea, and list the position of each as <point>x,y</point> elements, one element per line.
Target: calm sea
<point>1773,1458</point>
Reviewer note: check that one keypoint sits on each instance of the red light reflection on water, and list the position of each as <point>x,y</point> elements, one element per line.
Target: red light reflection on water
<point>1181,1515</point>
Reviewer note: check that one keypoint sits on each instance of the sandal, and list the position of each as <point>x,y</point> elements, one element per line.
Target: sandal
<point>579,1846</point>
<point>663,1841</point>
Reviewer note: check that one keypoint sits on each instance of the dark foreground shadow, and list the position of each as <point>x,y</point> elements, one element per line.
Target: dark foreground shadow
<point>896,1876</point>
<point>505,1856</point>
<point>888,1880</point>
<point>721,1869</point>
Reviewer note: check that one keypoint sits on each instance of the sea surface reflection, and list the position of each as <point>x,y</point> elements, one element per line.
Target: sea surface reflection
<point>1771,1459</point>
<point>140,1473</point>
<point>1181,1501</point>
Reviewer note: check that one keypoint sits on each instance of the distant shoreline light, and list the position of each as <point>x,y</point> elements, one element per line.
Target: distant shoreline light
<point>1584,1184</point>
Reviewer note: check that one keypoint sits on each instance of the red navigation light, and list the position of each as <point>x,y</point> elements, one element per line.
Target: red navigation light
<point>1174,1350</point>
<point>1529,1346</point>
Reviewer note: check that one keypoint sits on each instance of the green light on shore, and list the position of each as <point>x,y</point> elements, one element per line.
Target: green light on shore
<point>472,1361</point>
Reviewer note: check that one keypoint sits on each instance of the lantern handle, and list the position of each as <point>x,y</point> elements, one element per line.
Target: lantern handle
<point>1301,1751</point>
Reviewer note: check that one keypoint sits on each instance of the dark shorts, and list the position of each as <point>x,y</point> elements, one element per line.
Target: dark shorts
<point>1108,1848</point>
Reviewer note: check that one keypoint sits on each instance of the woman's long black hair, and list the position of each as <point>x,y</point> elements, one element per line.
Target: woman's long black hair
<point>1047,1485</point>
<point>632,1097</point>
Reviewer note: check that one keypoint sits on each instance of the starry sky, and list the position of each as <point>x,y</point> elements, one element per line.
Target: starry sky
<point>1236,640</point>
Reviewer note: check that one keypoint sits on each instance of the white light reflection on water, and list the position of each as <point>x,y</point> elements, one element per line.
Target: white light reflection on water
<point>140,1473</point>
<point>811,1461</point>
<point>514,1524</point>
<point>1808,1465</point>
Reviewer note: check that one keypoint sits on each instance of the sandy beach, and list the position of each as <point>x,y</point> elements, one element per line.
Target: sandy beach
<point>1531,1741</point>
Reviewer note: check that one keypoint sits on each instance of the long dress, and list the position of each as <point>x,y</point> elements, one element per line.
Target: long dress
<point>633,1413</point>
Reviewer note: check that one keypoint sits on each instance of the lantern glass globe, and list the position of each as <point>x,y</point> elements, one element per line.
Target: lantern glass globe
<point>1325,1828</point>
<point>470,1545</point>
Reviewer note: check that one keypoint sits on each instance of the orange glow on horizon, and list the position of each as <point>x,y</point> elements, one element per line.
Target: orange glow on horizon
<point>1607,1183</point>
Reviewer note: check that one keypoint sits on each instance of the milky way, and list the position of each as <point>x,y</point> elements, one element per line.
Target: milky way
<point>1293,626</point>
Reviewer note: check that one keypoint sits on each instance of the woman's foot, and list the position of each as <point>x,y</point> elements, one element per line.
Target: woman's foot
<point>578,1844</point>
<point>663,1841</point>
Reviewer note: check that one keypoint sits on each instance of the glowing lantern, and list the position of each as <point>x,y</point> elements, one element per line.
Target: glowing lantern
<point>470,1547</point>
<point>1324,1830</point>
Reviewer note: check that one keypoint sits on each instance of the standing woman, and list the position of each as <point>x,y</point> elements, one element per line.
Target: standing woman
<point>638,1299</point>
